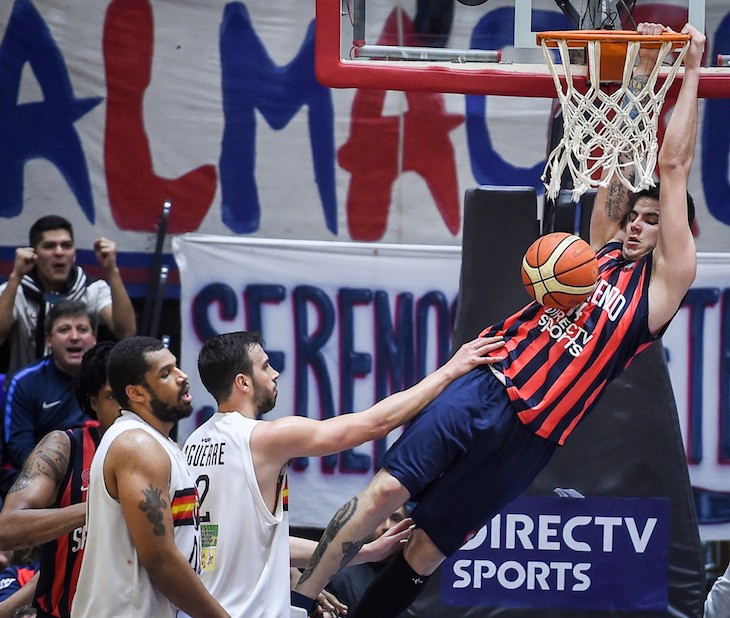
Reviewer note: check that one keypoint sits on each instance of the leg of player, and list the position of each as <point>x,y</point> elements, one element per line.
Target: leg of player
<point>402,580</point>
<point>349,529</point>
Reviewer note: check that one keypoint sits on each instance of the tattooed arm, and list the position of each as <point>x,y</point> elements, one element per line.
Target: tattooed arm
<point>393,539</point>
<point>609,210</point>
<point>25,519</point>
<point>137,473</point>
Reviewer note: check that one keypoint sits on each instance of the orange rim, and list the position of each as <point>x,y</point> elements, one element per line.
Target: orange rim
<point>580,38</point>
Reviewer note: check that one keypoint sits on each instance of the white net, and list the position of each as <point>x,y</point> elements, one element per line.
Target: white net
<point>607,133</point>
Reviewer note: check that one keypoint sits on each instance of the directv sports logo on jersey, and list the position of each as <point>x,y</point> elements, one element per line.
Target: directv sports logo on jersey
<point>548,552</point>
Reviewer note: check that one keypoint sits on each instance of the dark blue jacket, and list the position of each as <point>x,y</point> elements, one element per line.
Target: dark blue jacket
<point>14,578</point>
<point>40,398</point>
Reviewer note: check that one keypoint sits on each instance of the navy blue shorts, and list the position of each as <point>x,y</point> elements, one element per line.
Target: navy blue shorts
<point>464,458</point>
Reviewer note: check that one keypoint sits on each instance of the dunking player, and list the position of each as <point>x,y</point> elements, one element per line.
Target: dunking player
<point>241,461</point>
<point>46,504</point>
<point>481,442</point>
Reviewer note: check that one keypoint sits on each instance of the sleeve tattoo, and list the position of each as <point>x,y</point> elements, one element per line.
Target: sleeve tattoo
<point>349,548</point>
<point>50,459</point>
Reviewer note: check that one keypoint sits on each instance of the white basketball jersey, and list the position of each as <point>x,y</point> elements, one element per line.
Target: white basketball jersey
<point>245,547</point>
<point>112,581</point>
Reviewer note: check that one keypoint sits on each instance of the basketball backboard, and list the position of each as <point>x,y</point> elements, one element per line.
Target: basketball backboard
<point>482,48</point>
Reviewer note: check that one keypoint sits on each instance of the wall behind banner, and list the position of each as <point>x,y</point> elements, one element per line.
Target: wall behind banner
<point>109,108</point>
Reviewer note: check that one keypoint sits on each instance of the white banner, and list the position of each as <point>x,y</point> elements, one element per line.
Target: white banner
<point>698,353</point>
<point>331,315</point>
<point>114,106</point>
<point>335,316</point>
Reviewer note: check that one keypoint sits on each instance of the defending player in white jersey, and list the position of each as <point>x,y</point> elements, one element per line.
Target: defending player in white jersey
<point>142,554</point>
<point>240,465</point>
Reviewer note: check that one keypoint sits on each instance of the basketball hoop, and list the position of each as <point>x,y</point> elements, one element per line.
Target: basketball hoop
<point>610,128</point>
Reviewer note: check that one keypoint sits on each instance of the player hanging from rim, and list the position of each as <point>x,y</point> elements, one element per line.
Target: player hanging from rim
<point>491,427</point>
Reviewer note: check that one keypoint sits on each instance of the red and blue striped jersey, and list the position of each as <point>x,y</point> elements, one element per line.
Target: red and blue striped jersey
<point>60,560</point>
<point>558,364</point>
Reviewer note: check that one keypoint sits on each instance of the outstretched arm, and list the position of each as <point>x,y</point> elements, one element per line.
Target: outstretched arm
<point>296,436</point>
<point>25,519</point>
<point>393,539</point>
<point>675,257</point>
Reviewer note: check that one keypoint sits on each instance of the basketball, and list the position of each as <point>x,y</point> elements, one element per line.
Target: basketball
<point>559,270</point>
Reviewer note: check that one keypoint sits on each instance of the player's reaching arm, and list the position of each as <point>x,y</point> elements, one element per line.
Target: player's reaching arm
<point>393,539</point>
<point>301,550</point>
<point>611,203</point>
<point>675,257</point>
<point>296,436</point>
<point>25,519</point>
<point>141,486</point>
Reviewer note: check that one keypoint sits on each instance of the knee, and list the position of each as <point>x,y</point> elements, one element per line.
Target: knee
<point>421,553</point>
<point>385,492</point>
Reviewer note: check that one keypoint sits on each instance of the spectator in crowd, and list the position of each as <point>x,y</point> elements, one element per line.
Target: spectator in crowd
<point>142,553</point>
<point>241,464</point>
<point>15,576</point>
<point>45,273</point>
<point>17,582</point>
<point>46,504</point>
<point>40,397</point>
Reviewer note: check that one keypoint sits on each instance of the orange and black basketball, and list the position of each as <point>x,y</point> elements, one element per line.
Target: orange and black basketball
<point>559,270</point>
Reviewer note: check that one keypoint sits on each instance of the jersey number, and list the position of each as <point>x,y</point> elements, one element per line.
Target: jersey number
<point>203,479</point>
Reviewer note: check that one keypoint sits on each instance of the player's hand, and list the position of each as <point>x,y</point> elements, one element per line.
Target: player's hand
<point>477,352</point>
<point>693,58</point>
<point>25,260</point>
<point>652,29</point>
<point>389,542</point>
<point>106,253</point>
<point>648,55</point>
<point>329,605</point>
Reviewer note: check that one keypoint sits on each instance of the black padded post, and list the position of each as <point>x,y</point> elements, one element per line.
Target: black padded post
<point>560,214</point>
<point>500,223</point>
<point>586,208</point>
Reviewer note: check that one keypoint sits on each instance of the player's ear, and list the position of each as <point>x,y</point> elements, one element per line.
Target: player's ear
<point>242,382</point>
<point>135,392</point>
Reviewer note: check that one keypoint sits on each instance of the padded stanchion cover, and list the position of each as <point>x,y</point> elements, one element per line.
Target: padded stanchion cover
<point>501,223</point>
